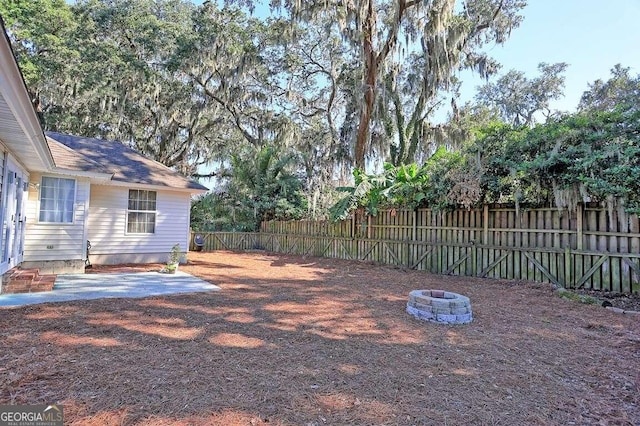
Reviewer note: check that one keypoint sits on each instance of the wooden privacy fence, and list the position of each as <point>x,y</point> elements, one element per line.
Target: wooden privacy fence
<point>590,248</point>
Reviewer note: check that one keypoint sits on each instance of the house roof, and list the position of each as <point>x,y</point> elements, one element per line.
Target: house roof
<point>68,159</point>
<point>126,165</point>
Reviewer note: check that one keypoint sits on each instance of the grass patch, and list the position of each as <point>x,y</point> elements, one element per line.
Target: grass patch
<point>576,297</point>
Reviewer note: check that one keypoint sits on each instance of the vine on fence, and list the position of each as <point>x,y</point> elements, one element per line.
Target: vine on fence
<point>578,158</point>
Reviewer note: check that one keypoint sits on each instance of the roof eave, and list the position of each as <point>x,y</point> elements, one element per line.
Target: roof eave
<point>106,177</point>
<point>130,184</point>
<point>14,91</point>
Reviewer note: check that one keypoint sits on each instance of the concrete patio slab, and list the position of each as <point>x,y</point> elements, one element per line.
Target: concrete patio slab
<point>98,286</point>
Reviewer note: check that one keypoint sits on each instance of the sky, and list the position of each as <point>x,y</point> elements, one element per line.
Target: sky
<point>590,35</point>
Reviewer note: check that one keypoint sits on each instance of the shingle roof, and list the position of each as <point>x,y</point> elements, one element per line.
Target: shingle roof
<point>102,156</point>
<point>66,158</point>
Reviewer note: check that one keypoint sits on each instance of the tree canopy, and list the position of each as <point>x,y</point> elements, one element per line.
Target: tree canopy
<point>518,98</point>
<point>321,89</point>
<point>423,43</point>
<point>622,90</point>
<point>183,82</point>
<point>590,156</point>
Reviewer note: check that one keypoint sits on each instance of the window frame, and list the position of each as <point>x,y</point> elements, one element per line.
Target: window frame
<point>154,212</point>
<point>73,207</point>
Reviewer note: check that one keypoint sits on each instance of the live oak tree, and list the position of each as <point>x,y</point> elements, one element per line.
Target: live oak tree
<point>315,67</point>
<point>187,85</point>
<point>621,91</point>
<point>519,99</point>
<point>136,98</point>
<point>449,33</point>
<point>43,38</point>
<point>222,62</point>
<point>118,70</point>
<point>98,68</point>
<point>452,39</point>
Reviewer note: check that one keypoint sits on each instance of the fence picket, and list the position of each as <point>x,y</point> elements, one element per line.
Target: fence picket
<point>586,249</point>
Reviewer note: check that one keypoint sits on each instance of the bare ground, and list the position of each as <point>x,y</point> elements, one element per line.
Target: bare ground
<point>309,341</point>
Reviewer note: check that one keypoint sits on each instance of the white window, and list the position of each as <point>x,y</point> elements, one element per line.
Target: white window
<point>57,196</point>
<point>141,213</point>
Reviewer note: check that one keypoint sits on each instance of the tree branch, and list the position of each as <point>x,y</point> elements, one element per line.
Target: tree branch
<point>493,18</point>
<point>393,34</point>
<point>248,136</point>
<point>204,175</point>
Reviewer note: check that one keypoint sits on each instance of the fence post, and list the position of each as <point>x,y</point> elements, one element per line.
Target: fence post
<point>485,224</point>
<point>474,261</point>
<point>415,224</point>
<point>579,226</point>
<point>353,226</point>
<point>568,276</point>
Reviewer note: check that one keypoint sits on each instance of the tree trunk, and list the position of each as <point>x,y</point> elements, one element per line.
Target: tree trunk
<point>371,71</point>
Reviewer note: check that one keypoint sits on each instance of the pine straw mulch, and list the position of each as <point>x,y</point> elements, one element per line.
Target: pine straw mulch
<point>309,341</point>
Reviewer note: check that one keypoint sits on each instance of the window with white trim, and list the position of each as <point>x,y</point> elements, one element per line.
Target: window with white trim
<point>141,212</point>
<point>57,196</point>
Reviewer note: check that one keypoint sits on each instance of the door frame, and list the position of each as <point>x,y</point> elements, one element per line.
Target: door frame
<point>15,181</point>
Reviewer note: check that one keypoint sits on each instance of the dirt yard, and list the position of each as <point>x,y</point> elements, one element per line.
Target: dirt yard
<point>308,341</point>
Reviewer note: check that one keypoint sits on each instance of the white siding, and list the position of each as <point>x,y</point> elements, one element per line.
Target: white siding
<point>3,205</point>
<point>2,159</point>
<point>56,241</point>
<point>108,217</point>
<point>4,266</point>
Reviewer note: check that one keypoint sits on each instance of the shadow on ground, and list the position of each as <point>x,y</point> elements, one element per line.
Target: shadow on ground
<point>316,341</point>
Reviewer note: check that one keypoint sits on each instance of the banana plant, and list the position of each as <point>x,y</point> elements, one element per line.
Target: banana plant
<point>408,187</point>
<point>367,192</point>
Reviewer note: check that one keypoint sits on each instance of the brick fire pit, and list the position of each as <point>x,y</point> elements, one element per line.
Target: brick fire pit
<point>440,306</point>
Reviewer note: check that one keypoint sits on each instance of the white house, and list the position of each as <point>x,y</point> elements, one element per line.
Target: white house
<point>59,191</point>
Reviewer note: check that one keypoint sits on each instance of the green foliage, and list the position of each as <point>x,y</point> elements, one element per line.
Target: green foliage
<point>620,92</point>
<point>518,98</point>
<point>367,193</point>
<point>576,297</point>
<point>41,32</point>
<point>496,154</point>
<point>259,187</point>
<point>441,167</point>
<point>404,186</point>
<point>584,157</point>
<point>377,40</point>
<point>407,186</point>
<point>220,211</point>
<point>188,84</point>
<point>174,255</point>
<point>182,83</point>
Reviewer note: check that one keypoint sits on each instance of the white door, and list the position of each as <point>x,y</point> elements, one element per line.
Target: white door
<point>13,220</point>
<point>20,221</point>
